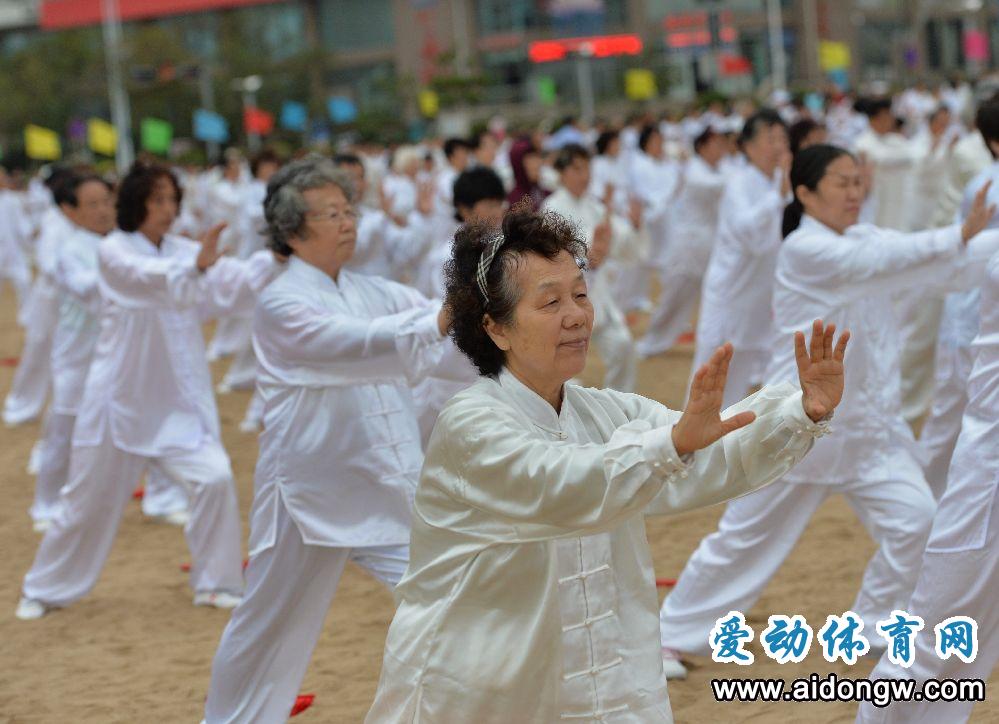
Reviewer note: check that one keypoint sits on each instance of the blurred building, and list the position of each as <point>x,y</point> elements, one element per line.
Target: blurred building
<point>371,47</point>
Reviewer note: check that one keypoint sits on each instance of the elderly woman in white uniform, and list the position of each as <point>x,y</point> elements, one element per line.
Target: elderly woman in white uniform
<point>845,272</point>
<point>340,451</point>
<point>530,594</point>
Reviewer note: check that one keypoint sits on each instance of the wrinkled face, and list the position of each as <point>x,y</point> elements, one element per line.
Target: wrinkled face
<point>330,233</point>
<point>161,209</point>
<point>765,150</point>
<point>837,199</point>
<point>547,341</point>
<point>576,176</point>
<point>95,207</point>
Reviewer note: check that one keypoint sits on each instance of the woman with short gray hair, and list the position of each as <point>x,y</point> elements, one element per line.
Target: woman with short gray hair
<point>340,451</point>
<point>530,595</point>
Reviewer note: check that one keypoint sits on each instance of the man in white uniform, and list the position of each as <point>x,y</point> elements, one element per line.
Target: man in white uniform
<point>148,398</point>
<point>14,230</point>
<point>340,452</point>
<point>90,207</point>
<point>30,386</point>
<point>738,285</point>
<point>686,257</point>
<point>605,233</point>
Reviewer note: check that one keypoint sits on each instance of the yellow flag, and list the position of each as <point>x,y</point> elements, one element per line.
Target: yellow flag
<point>640,84</point>
<point>42,143</point>
<point>101,137</point>
<point>429,103</point>
<point>833,55</point>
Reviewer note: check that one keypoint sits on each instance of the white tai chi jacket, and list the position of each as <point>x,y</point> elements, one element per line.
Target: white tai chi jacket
<point>149,381</point>
<point>340,447</point>
<point>78,324</point>
<point>530,595</point>
<point>738,285</point>
<point>848,279</point>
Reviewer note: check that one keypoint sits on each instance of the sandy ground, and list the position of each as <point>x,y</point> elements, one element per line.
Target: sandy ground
<point>135,650</point>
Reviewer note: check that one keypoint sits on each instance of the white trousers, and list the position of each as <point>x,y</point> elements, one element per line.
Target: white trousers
<point>30,386</point>
<point>162,494</point>
<point>950,396</point>
<point>732,566</point>
<point>919,315</point>
<point>954,581</point>
<point>16,271</point>
<point>53,465</point>
<point>231,332</point>
<point>679,298</point>
<point>266,647</point>
<point>100,484</point>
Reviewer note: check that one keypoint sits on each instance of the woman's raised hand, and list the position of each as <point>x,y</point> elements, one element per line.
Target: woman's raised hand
<point>701,423</point>
<point>820,369</point>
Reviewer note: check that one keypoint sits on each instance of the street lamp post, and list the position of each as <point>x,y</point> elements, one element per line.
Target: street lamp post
<point>778,66</point>
<point>248,87</point>
<point>584,78</point>
<point>121,114</point>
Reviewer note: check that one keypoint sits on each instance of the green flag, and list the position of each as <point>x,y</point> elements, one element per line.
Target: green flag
<point>546,90</point>
<point>156,135</point>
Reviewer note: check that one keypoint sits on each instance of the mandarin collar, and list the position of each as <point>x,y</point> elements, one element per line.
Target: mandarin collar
<point>314,274</point>
<point>533,405</point>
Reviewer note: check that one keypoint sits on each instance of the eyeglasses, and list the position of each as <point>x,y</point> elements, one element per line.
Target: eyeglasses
<point>334,215</point>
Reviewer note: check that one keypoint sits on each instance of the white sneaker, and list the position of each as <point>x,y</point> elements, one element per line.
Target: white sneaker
<point>217,599</point>
<point>35,459</point>
<point>42,525</point>
<point>672,666</point>
<point>178,518</point>
<point>30,610</point>
<point>249,425</point>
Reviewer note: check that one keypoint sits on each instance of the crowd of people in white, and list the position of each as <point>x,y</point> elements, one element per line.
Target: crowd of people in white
<point>333,283</point>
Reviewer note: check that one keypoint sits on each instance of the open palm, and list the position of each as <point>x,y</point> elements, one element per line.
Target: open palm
<point>701,423</point>
<point>820,369</point>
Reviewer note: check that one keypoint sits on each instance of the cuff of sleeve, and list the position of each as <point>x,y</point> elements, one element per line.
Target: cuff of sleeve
<point>794,416</point>
<point>422,324</point>
<point>949,240</point>
<point>661,456</point>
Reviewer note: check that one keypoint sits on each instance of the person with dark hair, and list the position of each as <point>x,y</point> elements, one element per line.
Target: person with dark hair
<point>525,162</point>
<point>30,387</point>
<point>457,154</point>
<point>606,234</point>
<point>655,181</point>
<point>735,300</point>
<point>692,237</point>
<point>148,399</point>
<point>830,267</point>
<point>89,205</point>
<point>609,173</point>
<point>340,451</point>
<point>528,524</point>
<point>804,133</point>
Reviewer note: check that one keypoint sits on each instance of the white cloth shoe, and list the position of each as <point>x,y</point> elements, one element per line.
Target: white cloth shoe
<point>41,525</point>
<point>217,599</point>
<point>672,666</point>
<point>249,425</point>
<point>178,518</point>
<point>30,610</point>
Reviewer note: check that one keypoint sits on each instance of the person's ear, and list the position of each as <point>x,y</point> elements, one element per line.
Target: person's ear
<point>803,193</point>
<point>497,333</point>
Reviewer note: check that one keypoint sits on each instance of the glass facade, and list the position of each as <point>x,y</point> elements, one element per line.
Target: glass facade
<point>563,19</point>
<point>357,24</point>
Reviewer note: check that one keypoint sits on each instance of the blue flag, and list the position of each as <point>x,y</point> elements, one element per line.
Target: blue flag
<point>294,116</point>
<point>209,126</point>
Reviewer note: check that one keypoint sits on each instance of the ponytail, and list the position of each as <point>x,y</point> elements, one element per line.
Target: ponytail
<point>792,217</point>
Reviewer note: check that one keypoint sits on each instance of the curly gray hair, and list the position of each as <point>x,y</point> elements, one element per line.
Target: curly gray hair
<point>284,205</point>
